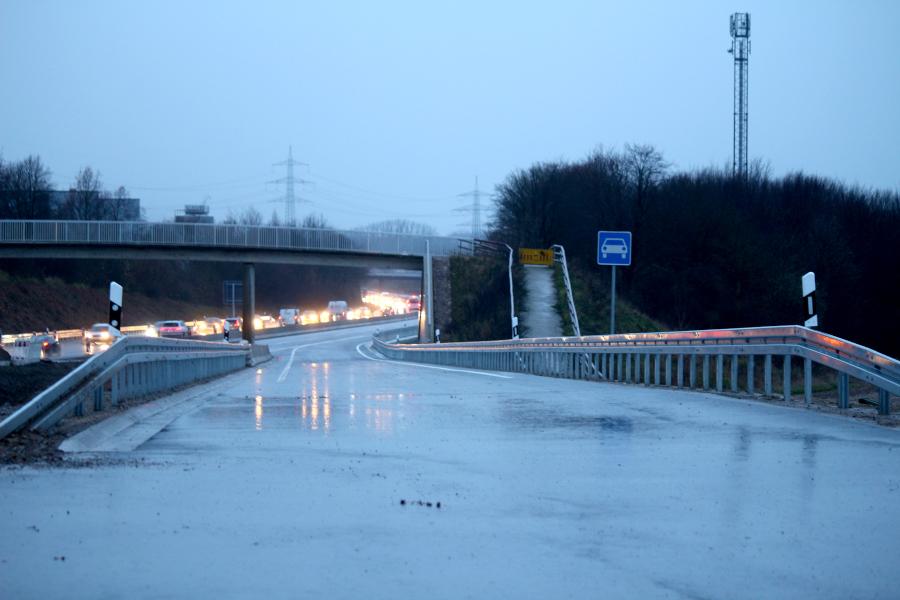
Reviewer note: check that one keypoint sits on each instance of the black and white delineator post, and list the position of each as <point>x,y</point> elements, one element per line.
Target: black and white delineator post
<point>115,305</point>
<point>809,297</point>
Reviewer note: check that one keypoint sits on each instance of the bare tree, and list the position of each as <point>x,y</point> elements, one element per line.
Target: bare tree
<point>116,205</point>
<point>275,221</point>
<point>251,217</point>
<point>84,201</point>
<point>314,221</point>
<point>25,190</point>
<point>230,218</point>
<point>401,226</point>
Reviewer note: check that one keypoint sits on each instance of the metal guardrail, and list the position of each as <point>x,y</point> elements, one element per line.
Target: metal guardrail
<point>129,233</point>
<point>132,367</point>
<point>653,359</point>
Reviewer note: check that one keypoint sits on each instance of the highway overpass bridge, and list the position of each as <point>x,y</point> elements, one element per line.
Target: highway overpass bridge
<point>229,243</point>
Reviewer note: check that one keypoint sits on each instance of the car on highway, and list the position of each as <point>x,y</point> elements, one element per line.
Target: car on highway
<point>337,310</point>
<point>100,337</point>
<point>261,322</point>
<point>207,326</point>
<point>309,317</point>
<point>289,316</point>
<point>49,344</point>
<point>232,328</point>
<point>177,329</point>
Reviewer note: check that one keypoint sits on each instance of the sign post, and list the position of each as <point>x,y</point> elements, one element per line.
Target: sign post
<point>614,250</point>
<point>232,293</point>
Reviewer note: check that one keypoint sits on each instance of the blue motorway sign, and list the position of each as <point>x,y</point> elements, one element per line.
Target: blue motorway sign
<point>614,248</point>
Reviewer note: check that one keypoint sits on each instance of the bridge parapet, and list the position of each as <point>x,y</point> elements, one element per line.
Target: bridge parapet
<point>651,358</point>
<point>203,235</point>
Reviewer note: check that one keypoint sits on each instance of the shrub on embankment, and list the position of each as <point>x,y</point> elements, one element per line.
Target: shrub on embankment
<point>592,303</point>
<point>480,298</point>
<point>712,250</point>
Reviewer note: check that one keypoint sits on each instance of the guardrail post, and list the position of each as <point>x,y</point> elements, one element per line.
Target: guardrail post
<point>767,375</point>
<point>884,402</point>
<point>751,373</point>
<point>807,381</point>
<point>656,369</point>
<point>843,390</point>
<point>680,377</point>
<point>114,388</point>
<point>706,371</point>
<point>786,386</point>
<point>628,367</point>
<point>734,373</point>
<point>669,370</point>
<point>720,372</point>
<point>621,367</point>
<point>692,371</point>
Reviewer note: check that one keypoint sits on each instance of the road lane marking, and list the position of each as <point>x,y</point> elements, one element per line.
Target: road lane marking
<point>411,364</point>
<point>287,367</point>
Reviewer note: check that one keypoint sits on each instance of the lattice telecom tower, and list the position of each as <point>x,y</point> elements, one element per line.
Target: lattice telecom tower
<point>740,48</point>
<point>290,218</point>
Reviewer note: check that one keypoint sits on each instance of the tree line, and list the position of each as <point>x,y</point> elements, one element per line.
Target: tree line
<point>26,193</point>
<point>714,250</point>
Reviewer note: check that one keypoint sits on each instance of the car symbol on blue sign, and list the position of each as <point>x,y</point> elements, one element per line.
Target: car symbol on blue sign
<point>614,248</point>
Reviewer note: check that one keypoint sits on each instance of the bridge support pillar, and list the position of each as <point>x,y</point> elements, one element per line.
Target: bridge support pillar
<point>426,305</point>
<point>249,308</point>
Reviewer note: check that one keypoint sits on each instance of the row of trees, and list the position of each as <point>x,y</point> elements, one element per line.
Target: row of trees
<point>26,193</point>
<point>712,250</point>
<point>253,217</point>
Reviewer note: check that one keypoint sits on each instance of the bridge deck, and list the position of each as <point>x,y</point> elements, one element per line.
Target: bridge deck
<point>290,481</point>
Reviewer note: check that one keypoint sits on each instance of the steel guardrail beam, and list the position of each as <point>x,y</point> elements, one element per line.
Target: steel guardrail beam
<point>650,349</point>
<point>97,364</point>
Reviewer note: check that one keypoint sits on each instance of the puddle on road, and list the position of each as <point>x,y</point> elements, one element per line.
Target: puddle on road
<point>314,412</point>
<point>530,414</point>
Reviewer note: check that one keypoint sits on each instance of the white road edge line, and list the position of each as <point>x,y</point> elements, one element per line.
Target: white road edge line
<point>287,367</point>
<point>411,364</point>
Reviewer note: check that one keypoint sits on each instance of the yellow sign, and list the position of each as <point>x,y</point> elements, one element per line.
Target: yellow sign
<point>535,256</point>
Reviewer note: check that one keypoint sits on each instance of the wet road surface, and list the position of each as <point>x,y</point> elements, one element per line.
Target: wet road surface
<point>305,480</point>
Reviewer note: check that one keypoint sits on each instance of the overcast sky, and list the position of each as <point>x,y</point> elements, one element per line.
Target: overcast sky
<point>397,106</point>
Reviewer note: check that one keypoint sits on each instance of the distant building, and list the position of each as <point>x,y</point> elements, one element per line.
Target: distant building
<point>194,213</point>
<point>93,206</point>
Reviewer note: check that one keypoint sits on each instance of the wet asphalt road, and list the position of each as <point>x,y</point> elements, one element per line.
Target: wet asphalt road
<point>304,480</point>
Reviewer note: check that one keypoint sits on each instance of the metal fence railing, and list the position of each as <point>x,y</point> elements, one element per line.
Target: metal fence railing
<point>126,233</point>
<point>132,367</point>
<point>682,358</point>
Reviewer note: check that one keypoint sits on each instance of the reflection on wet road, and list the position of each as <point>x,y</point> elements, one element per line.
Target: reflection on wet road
<point>548,488</point>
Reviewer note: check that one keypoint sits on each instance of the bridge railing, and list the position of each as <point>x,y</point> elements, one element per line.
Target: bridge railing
<point>132,367</point>
<point>222,236</point>
<point>676,359</point>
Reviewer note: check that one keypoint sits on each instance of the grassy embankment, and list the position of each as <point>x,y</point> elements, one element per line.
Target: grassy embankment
<point>480,290</point>
<point>592,303</point>
<point>33,304</point>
